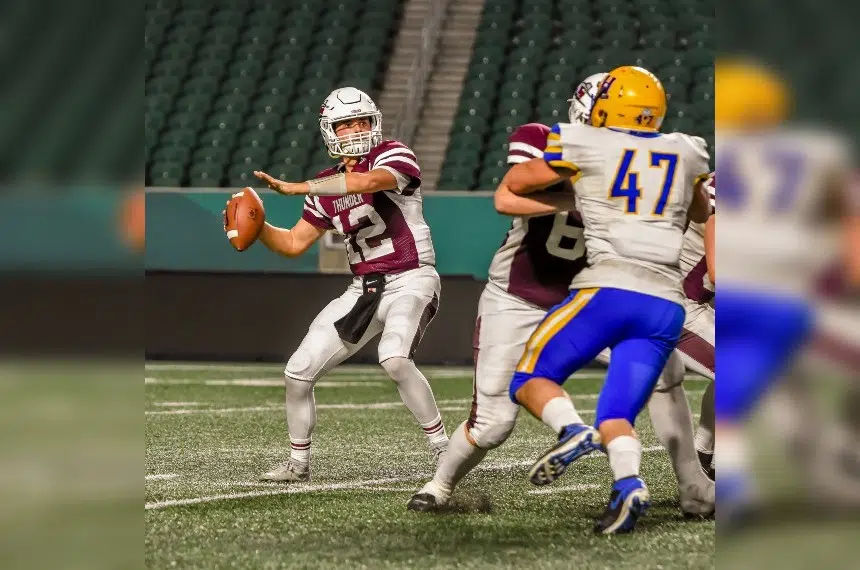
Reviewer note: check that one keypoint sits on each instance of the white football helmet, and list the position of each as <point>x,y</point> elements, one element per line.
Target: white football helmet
<point>349,103</point>
<point>583,99</point>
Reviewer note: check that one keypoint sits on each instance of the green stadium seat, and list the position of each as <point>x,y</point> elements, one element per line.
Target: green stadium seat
<point>165,173</point>
<point>171,154</point>
<point>257,138</point>
<point>208,68</point>
<point>186,121</point>
<point>178,137</point>
<point>200,86</point>
<point>163,85</point>
<point>241,175</point>
<point>225,121</point>
<point>491,177</point>
<point>238,85</point>
<point>230,103</point>
<point>225,35</point>
<point>205,175</point>
<point>210,155</point>
<point>215,137</point>
<point>264,122</point>
<point>251,69</point>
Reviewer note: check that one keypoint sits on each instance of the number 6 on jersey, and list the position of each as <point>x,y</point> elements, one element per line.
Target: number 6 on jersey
<point>626,182</point>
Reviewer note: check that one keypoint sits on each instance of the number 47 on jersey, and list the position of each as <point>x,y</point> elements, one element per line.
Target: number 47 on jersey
<point>660,174</point>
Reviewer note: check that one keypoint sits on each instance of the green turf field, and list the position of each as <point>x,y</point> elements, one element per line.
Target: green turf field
<point>212,430</point>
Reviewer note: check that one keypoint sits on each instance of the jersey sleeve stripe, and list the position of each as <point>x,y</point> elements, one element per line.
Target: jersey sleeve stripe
<point>401,150</point>
<point>553,137</point>
<point>396,160</point>
<point>526,148</point>
<point>555,130</point>
<point>702,177</point>
<point>517,158</point>
<point>311,210</point>
<point>553,149</point>
<point>563,164</point>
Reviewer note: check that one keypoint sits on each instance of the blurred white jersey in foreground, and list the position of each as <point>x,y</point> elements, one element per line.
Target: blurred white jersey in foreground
<point>780,193</point>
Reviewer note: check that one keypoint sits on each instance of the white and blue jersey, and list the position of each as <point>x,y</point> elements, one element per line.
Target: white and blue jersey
<point>775,192</point>
<point>633,191</point>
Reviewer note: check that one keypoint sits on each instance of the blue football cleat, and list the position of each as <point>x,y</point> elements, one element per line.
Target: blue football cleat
<point>738,500</point>
<point>575,441</point>
<point>627,502</point>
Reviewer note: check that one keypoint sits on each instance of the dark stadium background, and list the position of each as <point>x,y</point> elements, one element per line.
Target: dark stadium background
<point>236,85</point>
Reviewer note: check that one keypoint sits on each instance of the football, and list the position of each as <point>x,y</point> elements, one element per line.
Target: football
<point>244,218</point>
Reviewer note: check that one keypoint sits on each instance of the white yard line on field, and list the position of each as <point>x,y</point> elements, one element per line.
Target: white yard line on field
<point>177,404</point>
<point>346,485</point>
<point>549,490</point>
<point>258,382</point>
<point>368,406</point>
<point>161,477</point>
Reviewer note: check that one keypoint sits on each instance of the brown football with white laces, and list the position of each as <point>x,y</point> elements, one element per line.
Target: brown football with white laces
<point>244,218</point>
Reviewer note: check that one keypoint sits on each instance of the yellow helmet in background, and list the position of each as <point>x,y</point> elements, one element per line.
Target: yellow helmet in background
<point>630,98</point>
<point>748,95</point>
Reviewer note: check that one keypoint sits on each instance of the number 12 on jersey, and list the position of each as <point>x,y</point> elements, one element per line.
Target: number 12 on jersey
<point>626,182</point>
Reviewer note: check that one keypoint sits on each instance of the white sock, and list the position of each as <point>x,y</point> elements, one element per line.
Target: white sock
<point>301,417</point>
<point>300,450</point>
<point>625,455</point>
<point>416,394</point>
<point>435,431</point>
<point>705,431</point>
<point>673,424</point>
<point>460,458</point>
<point>732,454</point>
<point>560,412</point>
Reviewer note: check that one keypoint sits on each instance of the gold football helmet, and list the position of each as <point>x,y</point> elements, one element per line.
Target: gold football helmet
<point>630,98</point>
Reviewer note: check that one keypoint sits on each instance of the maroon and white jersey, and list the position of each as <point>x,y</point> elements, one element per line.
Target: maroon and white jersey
<point>384,232</point>
<point>540,254</point>
<point>694,266</point>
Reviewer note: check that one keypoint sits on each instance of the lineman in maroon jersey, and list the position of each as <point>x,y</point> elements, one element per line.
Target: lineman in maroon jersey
<point>530,273</point>
<point>373,199</point>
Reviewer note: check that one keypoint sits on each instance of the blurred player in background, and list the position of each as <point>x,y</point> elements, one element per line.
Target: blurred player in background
<point>787,212</point>
<point>636,189</point>
<point>372,198</point>
<point>132,225</point>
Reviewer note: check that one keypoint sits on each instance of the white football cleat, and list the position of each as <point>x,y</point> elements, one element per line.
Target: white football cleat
<point>290,472</point>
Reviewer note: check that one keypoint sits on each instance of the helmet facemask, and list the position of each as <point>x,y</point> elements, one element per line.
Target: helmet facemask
<point>352,144</point>
<point>583,99</point>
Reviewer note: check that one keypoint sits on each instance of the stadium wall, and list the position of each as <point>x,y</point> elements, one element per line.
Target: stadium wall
<point>263,317</point>
<point>184,233</point>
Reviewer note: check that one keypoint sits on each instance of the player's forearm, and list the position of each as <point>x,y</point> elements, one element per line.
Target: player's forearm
<point>711,247</point>
<point>532,176</point>
<point>536,204</point>
<point>279,240</point>
<point>700,208</point>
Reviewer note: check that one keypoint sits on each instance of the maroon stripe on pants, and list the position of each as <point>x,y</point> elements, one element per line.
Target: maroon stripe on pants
<point>697,348</point>
<point>426,316</point>
<point>476,338</point>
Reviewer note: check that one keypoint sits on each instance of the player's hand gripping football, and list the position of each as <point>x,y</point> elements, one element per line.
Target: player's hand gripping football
<point>281,187</point>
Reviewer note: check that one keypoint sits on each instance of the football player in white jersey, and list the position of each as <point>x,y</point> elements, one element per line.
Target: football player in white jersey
<point>372,197</point>
<point>636,190</point>
<point>530,273</point>
<point>788,211</point>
